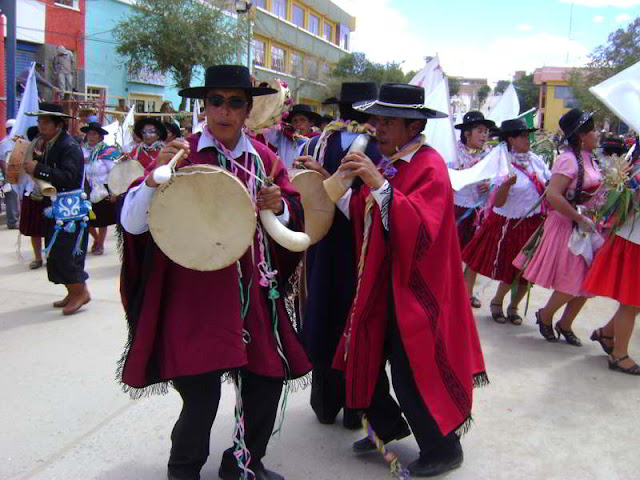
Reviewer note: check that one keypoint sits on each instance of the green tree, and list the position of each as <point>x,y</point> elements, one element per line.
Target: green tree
<point>501,86</point>
<point>621,51</point>
<point>176,37</point>
<point>528,92</point>
<point>483,93</point>
<point>356,67</point>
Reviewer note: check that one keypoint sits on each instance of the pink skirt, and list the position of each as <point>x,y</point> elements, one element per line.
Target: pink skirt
<point>615,273</point>
<point>496,244</point>
<point>553,266</point>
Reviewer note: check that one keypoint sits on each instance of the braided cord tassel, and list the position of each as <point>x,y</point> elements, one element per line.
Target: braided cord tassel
<point>240,450</point>
<point>397,470</point>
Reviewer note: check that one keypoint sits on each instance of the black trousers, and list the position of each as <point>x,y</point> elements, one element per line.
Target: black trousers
<point>328,397</point>
<point>201,396</point>
<point>63,266</point>
<point>386,417</point>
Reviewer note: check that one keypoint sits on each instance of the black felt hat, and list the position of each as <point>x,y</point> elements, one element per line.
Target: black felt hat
<point>474,118</point>
<point>613,145</point>
<point>95,127</point>
<point>226,76</point>
<point>571,121</point>
<point>306,110</point>
<point>351,92</point>
<point>46,109</point>
<point>509,128</point>
<point>173,128</point>
<point>160,128</point>
<point>399,100</point>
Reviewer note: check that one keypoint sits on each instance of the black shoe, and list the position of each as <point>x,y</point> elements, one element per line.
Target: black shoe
<point>366,445</point>
<point>351,419</point>
<point>436,465</point>
<point>568,335</point>
<point>229,469</point>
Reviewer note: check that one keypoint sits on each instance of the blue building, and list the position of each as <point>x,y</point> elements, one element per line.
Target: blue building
<point>105,71</point>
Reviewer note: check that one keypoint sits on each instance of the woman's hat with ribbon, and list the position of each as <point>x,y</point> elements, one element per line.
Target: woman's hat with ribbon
<point>474,118</point>
<point>95,127</point>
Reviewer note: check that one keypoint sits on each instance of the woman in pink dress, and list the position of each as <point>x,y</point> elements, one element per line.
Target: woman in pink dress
<point>553,265</point>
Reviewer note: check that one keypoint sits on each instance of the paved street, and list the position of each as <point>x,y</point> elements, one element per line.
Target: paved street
<point>552,411</point>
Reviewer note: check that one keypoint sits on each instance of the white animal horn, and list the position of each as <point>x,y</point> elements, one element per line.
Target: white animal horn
<point>336,185</point>
<point>292,241</point>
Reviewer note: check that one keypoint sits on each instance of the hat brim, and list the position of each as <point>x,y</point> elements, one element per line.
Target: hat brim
<point>101,131</point>
<point>162,130</point>
<point>312,116</point>
<point>419,112</point>
<point>44,113</point>
<point>487,123</point>
<point>504,133</point>
<point>586,116</point>
<point>200,92</point>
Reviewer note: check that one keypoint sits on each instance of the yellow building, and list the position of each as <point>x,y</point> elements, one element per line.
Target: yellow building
<point>556,96</point>
<point>298,41</point>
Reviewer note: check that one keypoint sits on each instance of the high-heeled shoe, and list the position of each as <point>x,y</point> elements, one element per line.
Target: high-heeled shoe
<point>568,335</point>
<point>614,364</point>
<point>545,330</point>
<point>597,336</point>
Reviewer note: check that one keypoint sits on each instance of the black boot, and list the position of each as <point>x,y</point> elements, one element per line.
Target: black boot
<point>437,462</point>
<point>229,469</point>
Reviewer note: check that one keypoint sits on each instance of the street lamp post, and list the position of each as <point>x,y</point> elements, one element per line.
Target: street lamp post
<point>243,6</point>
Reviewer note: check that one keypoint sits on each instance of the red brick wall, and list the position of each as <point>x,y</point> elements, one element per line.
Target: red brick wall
<point>65,26</point>
<point>3,92</point>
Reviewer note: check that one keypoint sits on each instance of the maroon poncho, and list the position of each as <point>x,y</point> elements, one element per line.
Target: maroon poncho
<point>420,258</point>
<point>186,322</point>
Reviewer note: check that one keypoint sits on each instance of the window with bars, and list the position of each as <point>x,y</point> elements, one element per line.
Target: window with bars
<point>296,63</point>
<point>277,58</point>
<point>279,8</point>
<point>258,52</point>
<point>298,16</point>
<point>343,41</point>
<point>313,24</point>
<point>327,31</point>
<point>311,67</point>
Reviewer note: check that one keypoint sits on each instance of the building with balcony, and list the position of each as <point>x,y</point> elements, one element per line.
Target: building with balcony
<point>556,96</point>
<point>298,41</point>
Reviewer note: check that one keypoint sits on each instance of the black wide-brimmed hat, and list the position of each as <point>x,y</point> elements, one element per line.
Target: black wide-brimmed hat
<point>351,92</point>
<point>160,128</point>
<point>306,110</point>
<point>95,127</point>
<point>173,128</point>
<point>399,100</point>
<point>509,128</point>
<point>46,109</point>
<point>614,145</point>
<point>571,121</point>
<point>474,118</point>
<point>226,76</point>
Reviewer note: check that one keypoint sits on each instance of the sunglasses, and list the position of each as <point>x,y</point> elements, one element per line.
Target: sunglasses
<point>234,103</point>
<point>149,131</point>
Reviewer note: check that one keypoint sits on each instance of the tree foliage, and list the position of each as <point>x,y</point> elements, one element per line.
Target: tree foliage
<point>483,93</point>
<point>528,92</point>
<point>501,86</point>
<point>454,86</point>
<point>176,37</point>
<point>620,52</point>
<point>356,67</point>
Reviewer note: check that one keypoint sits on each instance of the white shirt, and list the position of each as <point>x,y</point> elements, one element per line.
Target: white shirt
<point>135,209</point>
<point>523,194</point>
<point>381,195</point>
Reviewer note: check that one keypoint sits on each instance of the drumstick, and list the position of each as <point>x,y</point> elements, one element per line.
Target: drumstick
<point>163,173</point>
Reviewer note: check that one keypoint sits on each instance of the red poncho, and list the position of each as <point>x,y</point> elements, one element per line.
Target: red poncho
<point>187,322</point>
<point>420,258</point>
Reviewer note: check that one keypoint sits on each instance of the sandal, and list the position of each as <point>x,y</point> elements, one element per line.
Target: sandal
<point>568,335</point>
<point>496,314</point>
<point>513,316</point>
<point>614,364</point>
<point>36,264</point>
<point>475,302</point>
<point>97,250</point>
<point>545,330</point>
<point>597,336</point>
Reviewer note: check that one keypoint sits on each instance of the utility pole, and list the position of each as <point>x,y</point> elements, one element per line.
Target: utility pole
<point>8,9</point>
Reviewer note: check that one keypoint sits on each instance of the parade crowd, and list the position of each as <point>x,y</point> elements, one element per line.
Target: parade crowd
<point>389,282</point>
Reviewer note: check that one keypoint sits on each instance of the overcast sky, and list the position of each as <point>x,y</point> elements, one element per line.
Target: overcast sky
<point>489,39</point>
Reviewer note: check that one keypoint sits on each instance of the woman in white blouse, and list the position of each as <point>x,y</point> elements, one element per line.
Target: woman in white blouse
<point>99,158</point>
<point>510,223</point>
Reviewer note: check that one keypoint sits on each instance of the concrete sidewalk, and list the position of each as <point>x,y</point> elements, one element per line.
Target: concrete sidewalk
<point>552,411</point>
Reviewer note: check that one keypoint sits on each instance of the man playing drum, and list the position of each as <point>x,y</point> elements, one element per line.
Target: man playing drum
<point>192,327</point>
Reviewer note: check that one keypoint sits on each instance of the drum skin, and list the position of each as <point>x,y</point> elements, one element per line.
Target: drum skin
<point>16,160</point>
<point>203,218</point>
<point>123,174</point>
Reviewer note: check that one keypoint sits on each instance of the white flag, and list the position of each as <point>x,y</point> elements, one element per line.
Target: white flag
<point>494,165</point>
<point>507,107</point>
<point>29,103</point>
<point>112,128</point>
<point>621,93</point>
<point>123,136</point>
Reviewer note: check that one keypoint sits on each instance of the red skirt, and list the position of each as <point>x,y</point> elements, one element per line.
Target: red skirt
<point>496,244</point>
<point>32,217</point>
<point>466,227</point>
<point>105,212</point>
<point>615,273</point>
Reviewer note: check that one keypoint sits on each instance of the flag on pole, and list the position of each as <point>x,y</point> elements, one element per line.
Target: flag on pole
<point>621,93</point>
<point>29,103</point>
<point>439,132</point>
<point>507,107</point>
<point>123,135</point>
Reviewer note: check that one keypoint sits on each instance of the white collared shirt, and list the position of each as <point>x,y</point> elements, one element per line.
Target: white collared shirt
<point>381,195</point>
<point>137,202</point>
